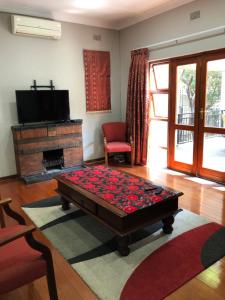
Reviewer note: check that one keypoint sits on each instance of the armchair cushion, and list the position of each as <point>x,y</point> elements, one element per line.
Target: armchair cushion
<point>19,263</point>
<point>118,147</point>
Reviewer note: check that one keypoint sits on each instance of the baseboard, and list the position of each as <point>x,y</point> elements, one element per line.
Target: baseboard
<point>94,161</point>
<point>101,160</point>
<point>8,178</point>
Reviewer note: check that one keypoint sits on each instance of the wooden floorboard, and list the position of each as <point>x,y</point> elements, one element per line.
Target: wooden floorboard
<point>205,198</point>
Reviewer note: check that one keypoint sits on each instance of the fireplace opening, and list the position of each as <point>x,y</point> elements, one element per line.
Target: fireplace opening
<point>53,159</point>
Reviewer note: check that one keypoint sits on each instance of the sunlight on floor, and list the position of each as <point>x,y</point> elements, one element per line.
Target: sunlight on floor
<point>171,172</point>
<point>219,188</point>
<point>199,180</point>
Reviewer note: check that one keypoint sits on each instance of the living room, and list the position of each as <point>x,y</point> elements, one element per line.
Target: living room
<point>24,59</point>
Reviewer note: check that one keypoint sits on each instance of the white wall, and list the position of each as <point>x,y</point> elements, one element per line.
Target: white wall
<point>171,25</point>
<point>23,59</point>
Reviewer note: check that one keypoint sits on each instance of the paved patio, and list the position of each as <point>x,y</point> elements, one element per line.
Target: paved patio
<point>213,156</point>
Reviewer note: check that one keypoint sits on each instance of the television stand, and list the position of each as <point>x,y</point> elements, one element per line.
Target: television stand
<point>45,149</point>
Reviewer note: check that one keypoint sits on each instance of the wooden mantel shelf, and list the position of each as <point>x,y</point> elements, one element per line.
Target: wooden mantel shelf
<point>52,124</point>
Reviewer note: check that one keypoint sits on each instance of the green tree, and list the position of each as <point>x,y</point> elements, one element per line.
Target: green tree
<point>214,83</point>
<point>213,92</point>
<point>188,79</point>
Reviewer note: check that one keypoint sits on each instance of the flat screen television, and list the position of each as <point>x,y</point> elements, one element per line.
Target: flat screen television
<point>42,106</point>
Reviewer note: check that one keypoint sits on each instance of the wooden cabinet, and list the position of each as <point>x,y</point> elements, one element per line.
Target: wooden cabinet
<point>45,149</point>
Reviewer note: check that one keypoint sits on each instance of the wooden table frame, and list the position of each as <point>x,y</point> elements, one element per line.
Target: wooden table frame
<point>118,221</point>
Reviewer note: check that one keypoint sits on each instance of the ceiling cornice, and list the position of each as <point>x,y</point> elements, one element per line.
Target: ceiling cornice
<point>97,22</point>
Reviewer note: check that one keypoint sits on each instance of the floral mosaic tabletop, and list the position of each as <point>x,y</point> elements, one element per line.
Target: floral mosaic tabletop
<point>125,191</point>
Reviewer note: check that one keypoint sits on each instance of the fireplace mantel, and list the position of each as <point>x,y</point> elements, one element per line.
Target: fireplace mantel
<point>32,141</point>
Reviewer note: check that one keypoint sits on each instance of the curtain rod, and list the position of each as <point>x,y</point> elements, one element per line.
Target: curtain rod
<point>187,38</point>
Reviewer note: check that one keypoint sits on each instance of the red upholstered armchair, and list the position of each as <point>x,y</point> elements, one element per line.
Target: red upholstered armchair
<point>115,140</point>
<point>22,258</point>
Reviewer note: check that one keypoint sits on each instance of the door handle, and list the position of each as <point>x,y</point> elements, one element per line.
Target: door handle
<point>202,112</point>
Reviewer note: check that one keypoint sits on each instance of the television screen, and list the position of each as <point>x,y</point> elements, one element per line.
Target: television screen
<point>43,105</point>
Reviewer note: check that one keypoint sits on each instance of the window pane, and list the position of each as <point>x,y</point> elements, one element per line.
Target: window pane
<point>160,102</point>
<point>158,136</point>
<point>162,76</point>
<point>214,152</point>
<point>157,152</point>
<point>184,146</point>
<point>186,85</point>
<point>215,94</point>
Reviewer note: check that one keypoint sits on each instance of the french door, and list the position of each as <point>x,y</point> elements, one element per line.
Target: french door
<point>197,116</point>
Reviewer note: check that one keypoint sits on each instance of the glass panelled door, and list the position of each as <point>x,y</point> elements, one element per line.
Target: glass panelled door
<point>211,162</point>
<point>197,116</point>
<point>183,124</point>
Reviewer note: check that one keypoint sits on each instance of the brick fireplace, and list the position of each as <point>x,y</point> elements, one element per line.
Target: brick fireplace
<point>41,149</point>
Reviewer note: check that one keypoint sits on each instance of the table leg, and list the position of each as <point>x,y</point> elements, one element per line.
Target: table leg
<point>2,220</point>
<point>65,204</point>
<point>167,224</point>
<point>122,245</point>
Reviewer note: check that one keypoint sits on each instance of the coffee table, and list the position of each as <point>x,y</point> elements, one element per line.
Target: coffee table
<point>121,201</point>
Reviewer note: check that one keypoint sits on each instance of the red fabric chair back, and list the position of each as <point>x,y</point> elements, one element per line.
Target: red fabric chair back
<point>114,131</point>
<point>22,258</point>
<point>19,263</point>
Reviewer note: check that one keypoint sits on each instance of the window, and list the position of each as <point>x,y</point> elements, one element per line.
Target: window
<point>159,90</point>
<point>159,87</point>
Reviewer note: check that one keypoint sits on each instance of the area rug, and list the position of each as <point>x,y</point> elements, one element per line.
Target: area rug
<point>157,262</point>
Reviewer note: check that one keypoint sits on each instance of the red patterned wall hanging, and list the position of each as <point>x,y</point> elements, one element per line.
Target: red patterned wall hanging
<point>97,80</point>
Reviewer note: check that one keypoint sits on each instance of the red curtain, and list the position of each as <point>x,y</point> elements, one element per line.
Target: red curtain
<point>137,114</point>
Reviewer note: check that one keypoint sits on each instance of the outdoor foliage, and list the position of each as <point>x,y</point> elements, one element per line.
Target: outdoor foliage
<point>213,88</point>
<point>214,82</point>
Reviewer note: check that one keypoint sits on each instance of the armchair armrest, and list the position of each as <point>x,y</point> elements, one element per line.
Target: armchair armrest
<point>105,141</point>
<point>4,205</point>
<point>23,232</point>
<point>5,201</point>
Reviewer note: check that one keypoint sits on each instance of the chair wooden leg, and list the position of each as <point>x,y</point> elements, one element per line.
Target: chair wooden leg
<point>106,159</point>
<point>131,159</point>
<point>51,282</point>
<point>2,220</point>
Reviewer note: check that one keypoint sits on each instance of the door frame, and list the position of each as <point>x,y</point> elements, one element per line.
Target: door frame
<point>173,126</point>
<point>204,172</point>
<point>202,58</point>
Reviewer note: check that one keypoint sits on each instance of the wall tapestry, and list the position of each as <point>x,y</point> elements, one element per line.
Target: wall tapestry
<point>97,80</point>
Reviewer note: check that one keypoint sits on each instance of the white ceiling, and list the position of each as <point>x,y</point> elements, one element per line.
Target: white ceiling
<point>115,14</point>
